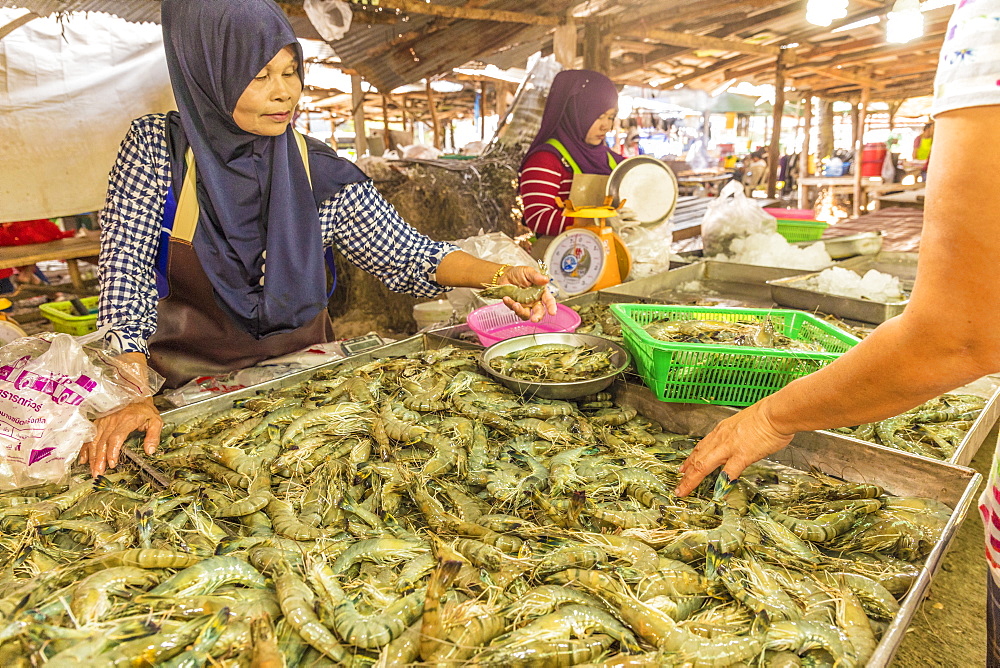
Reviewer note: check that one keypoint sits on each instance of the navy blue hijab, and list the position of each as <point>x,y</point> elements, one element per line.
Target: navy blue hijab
<point>253,191</point>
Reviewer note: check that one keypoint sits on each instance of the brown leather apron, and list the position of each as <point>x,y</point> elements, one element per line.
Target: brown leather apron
<point>194,336</point>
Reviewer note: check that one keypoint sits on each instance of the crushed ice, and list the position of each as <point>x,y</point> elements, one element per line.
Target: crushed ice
<point>770,249</point>
<point>874,285</point>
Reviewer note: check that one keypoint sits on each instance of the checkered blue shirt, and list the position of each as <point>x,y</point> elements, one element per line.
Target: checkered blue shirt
<point>357,221</point>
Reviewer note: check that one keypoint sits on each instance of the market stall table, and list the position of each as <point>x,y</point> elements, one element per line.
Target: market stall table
<point>870,186</point>
<point>901,228</point>
<point>70,250</point>
<point>711,182</point>
<point>914,199</point>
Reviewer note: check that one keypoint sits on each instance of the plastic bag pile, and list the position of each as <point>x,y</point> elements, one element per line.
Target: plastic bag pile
<point>735,229</point>
<point>50,387</point>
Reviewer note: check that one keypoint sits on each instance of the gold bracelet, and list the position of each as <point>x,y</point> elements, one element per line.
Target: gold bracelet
<point>500,272</point>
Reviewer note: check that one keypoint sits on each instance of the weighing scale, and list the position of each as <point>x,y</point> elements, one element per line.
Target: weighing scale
<point>589,255</point>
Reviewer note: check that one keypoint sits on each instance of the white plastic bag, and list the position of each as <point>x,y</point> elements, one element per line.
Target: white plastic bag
<point>730,216</point>
<point>50,384</point>
<point>888,168</point>
<point>331,18</point>
<point>649,246</point>
<point>420,152</point>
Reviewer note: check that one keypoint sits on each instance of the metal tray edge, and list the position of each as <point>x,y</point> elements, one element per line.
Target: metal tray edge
<point>842,307</point>
<point>893,637</point>
<point>401,347</point>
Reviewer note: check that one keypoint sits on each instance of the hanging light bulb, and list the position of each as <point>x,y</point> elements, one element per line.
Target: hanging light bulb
<point>825,12</point>
<point>905,22</point>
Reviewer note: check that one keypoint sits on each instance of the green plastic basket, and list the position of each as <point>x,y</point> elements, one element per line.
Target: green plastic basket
<point>66,321</point>
<point>700,373</point>
<point>801,230</point>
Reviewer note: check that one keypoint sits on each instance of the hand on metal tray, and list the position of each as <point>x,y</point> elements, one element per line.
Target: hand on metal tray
<point>735,443</point>
<point>525,277</point>
<point>112,431</point>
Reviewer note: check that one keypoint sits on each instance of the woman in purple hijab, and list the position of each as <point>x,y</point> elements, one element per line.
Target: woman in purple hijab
<point>219,215</point>
<point>579,113</point>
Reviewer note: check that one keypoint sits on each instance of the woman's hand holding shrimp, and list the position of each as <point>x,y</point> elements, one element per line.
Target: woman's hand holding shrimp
<point>112,431</point>
<point>526,277</point>
<point>735,443</point>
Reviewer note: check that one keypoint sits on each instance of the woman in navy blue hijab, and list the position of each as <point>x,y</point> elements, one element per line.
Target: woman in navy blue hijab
<point>218,217</point>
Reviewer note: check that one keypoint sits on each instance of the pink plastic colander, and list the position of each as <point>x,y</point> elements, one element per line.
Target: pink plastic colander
<point>496,322</point>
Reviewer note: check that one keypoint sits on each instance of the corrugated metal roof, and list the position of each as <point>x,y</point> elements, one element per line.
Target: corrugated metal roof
<point>420,46</point>
<point>391,49</point>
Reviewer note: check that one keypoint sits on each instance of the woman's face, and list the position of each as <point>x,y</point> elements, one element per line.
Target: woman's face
<point>265,107</point>
<point>601,127</point>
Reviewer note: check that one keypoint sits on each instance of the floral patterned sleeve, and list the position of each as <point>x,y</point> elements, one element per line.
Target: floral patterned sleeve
<point>968,72</point>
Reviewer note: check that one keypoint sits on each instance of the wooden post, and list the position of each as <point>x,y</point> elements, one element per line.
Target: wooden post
<point>481,92</point>
<point>435,126</point>
<point>825,145</point>
<point>854,124</point>
<point>893,108</point>
<point>596,49</point>
<point>804,156</point>
<point>564,42</point>
<point>773,150</point>
<point>358,104</point>
<point>859,144</point>
<point>385,124</point>
<point>501,89</point>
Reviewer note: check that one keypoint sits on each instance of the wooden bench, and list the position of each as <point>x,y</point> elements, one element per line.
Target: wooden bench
<point>69,250</point>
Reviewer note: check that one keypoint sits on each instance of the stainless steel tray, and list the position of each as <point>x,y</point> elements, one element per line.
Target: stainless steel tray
<point>970,444</point>
<point>734,284</point>
<point>966,450</point>
<point>903,265</point>
<point>863,243</point>
<point>848,458</point>
<point>851,460</point>
<point>791,291</point>
<point>426,341</point>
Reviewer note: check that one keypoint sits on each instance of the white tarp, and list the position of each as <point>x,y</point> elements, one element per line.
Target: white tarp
<point>68,90</point>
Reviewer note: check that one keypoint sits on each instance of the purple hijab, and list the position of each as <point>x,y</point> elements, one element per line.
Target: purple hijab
<point>577,99</point>
<point>253,190</point>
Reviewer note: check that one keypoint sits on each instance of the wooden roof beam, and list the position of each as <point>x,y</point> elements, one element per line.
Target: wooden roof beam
<point>887,50</point>
<point>845,76</point>
<point>471,13</point>
<point>651,58</point>
<point>699,73</point>
<point>860,44</point>
<point>700,42</point>
<point>803,35</point>
<point>756,22</point>
<point>655,14</point>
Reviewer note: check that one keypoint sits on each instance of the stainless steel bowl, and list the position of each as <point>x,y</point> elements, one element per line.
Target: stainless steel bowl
<point>572,390</point>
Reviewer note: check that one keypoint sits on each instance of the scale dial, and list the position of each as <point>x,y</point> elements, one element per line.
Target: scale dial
<point>576,260</point>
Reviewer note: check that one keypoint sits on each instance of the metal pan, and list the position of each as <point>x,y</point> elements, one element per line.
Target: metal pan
<point>648,187</point>
<point>792,291</point>
<point>839,248</point>
<point>620,360</point>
